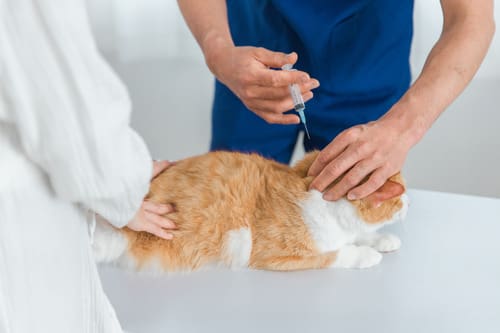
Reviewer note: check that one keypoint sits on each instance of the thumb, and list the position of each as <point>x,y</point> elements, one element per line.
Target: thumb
<point>275,59</point>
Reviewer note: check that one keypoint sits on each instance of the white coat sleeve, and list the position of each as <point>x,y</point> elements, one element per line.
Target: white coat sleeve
<point>70,110</point>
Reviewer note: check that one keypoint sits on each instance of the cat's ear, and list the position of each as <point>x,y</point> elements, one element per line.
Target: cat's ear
<point>389,190</point>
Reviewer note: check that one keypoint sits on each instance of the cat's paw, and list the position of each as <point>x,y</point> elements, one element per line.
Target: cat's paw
<point>352,256</point>
<point>387,243</point>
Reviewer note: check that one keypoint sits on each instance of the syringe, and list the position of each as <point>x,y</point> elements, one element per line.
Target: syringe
<point>298,101</point>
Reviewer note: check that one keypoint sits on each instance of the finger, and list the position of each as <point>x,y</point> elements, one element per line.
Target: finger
<point>158,231</point>
<point>335,169</point>
<point>159,167</point>
<point>259,92</point>
<point>276,106</point>
<point>160,221</point>
<point>281,119</point>
<point>351,179</point>
<point>274,78</point>
<point>332,151</point>
<point>274,59</point>
<point>376,180</point>
<point>159,209</point>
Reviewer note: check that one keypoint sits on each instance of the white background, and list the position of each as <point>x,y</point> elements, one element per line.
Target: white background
<point>149,45</point>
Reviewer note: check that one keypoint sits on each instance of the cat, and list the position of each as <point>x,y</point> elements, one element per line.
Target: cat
<point>245,211</point>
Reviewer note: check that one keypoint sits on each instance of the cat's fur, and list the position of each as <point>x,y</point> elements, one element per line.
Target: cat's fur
<point>247,211</point>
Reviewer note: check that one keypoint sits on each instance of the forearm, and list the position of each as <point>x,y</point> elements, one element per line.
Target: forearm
<point>450,66</point>
<point>208,22</point>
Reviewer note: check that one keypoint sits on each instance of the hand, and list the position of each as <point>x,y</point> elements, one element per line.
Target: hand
<point>247,72</point>
<point>376,150</point>
<point>150,217</point>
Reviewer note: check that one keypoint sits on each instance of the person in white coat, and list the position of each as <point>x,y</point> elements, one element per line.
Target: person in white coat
<point>66,153</point>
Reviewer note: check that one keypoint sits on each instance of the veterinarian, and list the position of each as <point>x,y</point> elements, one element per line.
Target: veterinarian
<point>364,116</point>
<point>66,153</point>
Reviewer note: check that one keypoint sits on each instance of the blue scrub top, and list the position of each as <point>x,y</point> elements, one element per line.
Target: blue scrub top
<point>358,50</point>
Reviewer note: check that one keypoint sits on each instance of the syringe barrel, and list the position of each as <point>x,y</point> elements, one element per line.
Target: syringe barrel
<point>298,101</point>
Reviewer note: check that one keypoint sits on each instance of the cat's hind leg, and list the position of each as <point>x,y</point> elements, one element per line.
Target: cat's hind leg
<point>294,263</point>
<point>352,256</point>
<point>380,242</point>
<point>237,248</point>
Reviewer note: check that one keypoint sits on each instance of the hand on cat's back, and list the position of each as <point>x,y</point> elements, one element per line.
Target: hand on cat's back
<point>151,216</point>
<point>376,151</point>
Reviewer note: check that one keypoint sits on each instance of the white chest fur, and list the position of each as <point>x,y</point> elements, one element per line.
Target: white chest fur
<point>333,225</point>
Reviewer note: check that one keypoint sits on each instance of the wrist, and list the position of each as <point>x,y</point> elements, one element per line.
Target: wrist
<point>214,47</point>
<point>408,120</point>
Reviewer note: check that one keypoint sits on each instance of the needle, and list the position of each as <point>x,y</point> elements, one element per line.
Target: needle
<point>303,118</point>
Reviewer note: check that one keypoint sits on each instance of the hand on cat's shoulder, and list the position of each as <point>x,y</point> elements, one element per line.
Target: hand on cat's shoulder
<point>151,216</point>
<point>360,160</point>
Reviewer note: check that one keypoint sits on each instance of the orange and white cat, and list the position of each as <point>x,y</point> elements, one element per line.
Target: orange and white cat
<point>245,211</point>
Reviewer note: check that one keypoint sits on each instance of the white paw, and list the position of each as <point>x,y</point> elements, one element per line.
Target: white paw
<point>108,243</point>
<point>387,243</point>
<point>351,256</point>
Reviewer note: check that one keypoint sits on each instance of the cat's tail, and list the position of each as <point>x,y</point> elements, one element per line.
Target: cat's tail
<point>108,243</point>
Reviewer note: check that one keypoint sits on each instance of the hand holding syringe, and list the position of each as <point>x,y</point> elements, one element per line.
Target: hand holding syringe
<point>298,101</point>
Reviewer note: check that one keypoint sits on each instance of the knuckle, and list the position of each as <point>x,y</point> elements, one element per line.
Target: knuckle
<point>348,135</point>
<point>279,58</point>
<point>377,156</point>
<point>274,80</point>
<point>350,180</point>
<point>375,181</point>
<point>363,168</point>
<point>322,159</point>
<point>364,148</point>
<point>360,128</point>
<point>356,173</point>
<point>332,171</point>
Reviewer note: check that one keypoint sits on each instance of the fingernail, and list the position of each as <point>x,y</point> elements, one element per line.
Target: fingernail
<point>351,196</point>
<point>304,78</point>
<point>290,54</point>
<point>169,236</point>
<point>315,84</point>
<point>328,197</point>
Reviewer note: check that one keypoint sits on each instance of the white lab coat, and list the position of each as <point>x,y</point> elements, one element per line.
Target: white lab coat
<point>65,148</point>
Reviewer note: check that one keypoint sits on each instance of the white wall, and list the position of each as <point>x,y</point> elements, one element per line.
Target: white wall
<point>428,22</point>
<point>152,50</point>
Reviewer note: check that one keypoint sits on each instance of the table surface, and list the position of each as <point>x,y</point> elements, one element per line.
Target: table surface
<point>445,278</point>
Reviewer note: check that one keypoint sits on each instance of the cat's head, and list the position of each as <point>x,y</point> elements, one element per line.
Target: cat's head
<point>387,204</point>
